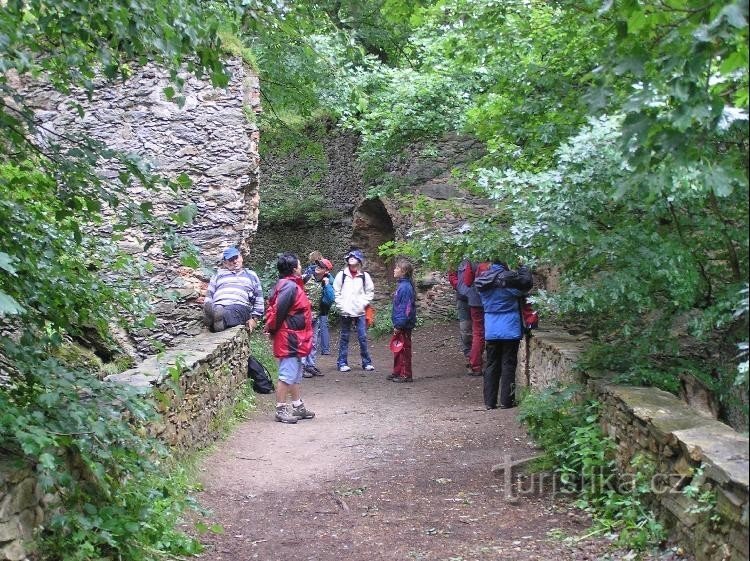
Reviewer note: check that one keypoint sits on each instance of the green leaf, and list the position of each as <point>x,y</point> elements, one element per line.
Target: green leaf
<point>8,305</point>
<point>6,263</point>
<point>189,260</point>
<point>169,92</point>
<point>719,181</point>
<point>185,215</point>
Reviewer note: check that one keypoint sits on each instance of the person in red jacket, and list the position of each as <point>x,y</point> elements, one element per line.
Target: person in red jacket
<point>476,359</point>
<point>289,322</point>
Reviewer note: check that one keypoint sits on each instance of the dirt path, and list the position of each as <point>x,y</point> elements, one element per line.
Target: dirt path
<point>384,472</point>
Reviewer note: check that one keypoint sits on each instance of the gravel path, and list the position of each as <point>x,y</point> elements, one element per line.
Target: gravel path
<point>398,472</point>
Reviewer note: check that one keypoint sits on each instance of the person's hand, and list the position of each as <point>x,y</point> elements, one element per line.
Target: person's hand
<point>251,323</point>
<point>325,280</point>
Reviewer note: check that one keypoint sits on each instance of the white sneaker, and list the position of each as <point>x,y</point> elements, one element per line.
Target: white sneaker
<point>344,368</point>
<point>369,368</point>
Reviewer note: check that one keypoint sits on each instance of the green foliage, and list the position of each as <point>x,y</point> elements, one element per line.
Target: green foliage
<point>567,426</point>
<point>311,210</point>
<point>120,493</point>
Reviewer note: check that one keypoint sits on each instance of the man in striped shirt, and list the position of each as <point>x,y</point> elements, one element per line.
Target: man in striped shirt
<point>234,295</point>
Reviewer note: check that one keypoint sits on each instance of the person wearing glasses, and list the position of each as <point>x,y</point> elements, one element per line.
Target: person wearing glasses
<point>234,296</point>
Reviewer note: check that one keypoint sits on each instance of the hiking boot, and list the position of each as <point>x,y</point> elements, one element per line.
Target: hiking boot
<point>302,412</point>
<point>284,415</point>
<point>219,319</point>
<point>402,379</point>
<point>368,368</point>
<point>313,370</point>
<point>344,368</point>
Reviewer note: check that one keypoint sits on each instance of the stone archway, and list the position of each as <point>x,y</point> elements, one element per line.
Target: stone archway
<point>372,226</point>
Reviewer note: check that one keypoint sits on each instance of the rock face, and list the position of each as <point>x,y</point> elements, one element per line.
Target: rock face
<point>367,222</point>
<point>209,138</point>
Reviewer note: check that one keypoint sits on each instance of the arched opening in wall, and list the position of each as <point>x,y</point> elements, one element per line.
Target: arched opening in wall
<point>371,227</point>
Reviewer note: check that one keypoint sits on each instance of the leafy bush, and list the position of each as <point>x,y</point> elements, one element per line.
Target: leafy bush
<point>566,424</point>
<point>120,493</point>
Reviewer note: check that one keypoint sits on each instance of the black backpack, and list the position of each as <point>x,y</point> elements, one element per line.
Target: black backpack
<point>260,376</point>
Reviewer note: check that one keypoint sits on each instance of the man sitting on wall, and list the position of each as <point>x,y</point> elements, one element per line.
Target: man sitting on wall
<point>234,296</point>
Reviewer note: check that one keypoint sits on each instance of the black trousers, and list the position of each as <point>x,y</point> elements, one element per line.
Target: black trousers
<point>502,358</point>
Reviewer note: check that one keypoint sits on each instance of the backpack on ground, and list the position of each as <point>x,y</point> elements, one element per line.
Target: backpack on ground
<point>260,376</point>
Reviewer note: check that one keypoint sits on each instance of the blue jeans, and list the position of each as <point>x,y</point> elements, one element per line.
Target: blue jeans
<point>309,360</point>
<point>346,326</point>
<point>324,335</point>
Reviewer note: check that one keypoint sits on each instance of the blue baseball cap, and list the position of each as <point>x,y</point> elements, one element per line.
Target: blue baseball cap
<point>357,254</point>
<point>230,252</point>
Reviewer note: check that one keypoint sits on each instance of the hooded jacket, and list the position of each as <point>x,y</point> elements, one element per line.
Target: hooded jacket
<point>352,293</point>
<point>502,314</point>
<point>289,319</point>
<point>404,313</point>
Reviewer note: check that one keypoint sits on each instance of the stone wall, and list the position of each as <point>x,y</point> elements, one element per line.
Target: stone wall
<point>194,384</point>
<point>210,138</point>
<point>21,509</point>
<point>424,169</point>
<point>683,446</point>
<point>210,372</point>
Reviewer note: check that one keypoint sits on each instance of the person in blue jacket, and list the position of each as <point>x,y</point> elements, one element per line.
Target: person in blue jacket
<point>503,331</point>
<point>319,289</point>
<point>404,317</point>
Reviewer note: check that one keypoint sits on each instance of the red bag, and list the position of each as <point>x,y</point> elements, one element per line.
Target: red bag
<point>369,316</point>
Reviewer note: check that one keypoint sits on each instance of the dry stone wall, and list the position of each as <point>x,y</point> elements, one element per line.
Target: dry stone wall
<point>211,138</point>
<point>682,446</point>
<point>22,506</point>
<point>194,383</point>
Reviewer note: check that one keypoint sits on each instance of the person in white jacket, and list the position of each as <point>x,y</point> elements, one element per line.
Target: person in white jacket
<point>354,291</point>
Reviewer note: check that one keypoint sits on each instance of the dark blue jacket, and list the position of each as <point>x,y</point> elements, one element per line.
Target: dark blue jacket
<point>404,314</point>
<point>502,314</point>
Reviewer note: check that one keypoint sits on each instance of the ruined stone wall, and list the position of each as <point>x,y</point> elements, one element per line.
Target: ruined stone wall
<point>425,169</point>
<point>21,509</point>
<point>680,444</point>
<point>211,138</point>
<point>210,372</point>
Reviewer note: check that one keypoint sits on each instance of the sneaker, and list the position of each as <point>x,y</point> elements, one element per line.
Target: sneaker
<point>284,415</point>
<point>302,412</point>
<point>368,368</point>
<point>402,379</point>
<point>344,368</point>
<point>391,376</point>
<point>219,319</point>
<point>306,373</point>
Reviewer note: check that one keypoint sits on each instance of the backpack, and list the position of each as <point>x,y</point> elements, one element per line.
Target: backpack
<point>520,279</point>
<point>461,287</point>
<point>364,283</point>
<point>260,376</point>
